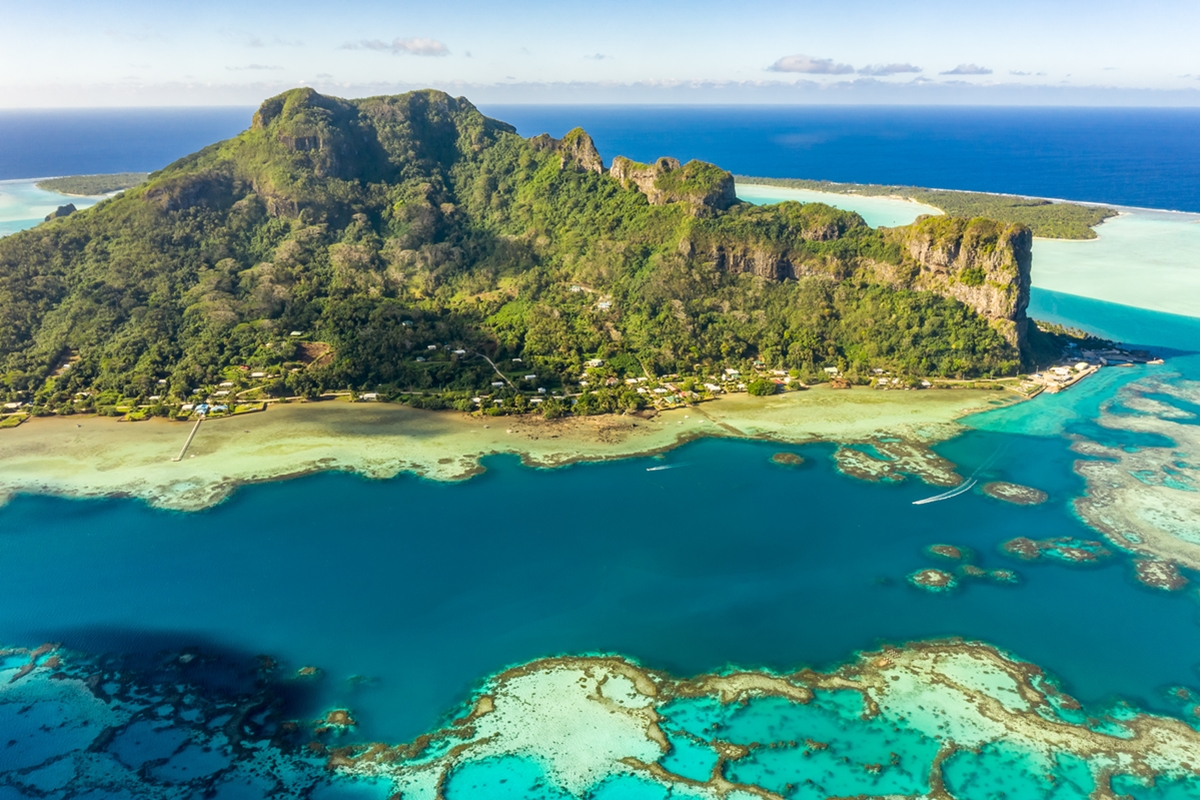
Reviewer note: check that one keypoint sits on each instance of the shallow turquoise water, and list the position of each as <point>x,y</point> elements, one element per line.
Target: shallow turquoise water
<point>1144,258</point>
<point>23,205</point>
<point>875,211</point>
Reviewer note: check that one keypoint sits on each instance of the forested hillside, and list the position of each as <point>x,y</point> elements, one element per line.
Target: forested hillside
<point>390,244</point>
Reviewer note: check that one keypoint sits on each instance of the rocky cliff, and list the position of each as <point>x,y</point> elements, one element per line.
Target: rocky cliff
<point>705,187</point>
<point>981,263</point>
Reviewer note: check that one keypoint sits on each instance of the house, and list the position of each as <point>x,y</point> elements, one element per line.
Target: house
<point>730,372</point>
<point>460,352</point>
<point>832,370</point>
<point>431,347</point>
<point>162,381</point>
<point>497,383</point>
<point>1082,365</point>
<point>712,387</point>
<point>258,374</point>
<point>517,361</point>
<point>604,305</point>
<point>595,362</point>
<point>541,390</point>
<point>221,393</point>
<point>369,396</point>
<point>296,333</point>
<point>531,377</point>
<point>420,359</point>
<point>155,397</point>
<point>536,400</point>
<point>11,406</point>
<point>187,406</point>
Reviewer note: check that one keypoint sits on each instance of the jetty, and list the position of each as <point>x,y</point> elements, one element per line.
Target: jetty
<point>191,436</point>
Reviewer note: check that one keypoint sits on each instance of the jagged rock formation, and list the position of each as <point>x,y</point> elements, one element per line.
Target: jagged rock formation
<point>575,148</point>
<point>707,188</point>
<point>62,211</point>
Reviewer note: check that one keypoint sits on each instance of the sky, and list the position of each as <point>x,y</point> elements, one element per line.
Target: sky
<point>1025,52</point>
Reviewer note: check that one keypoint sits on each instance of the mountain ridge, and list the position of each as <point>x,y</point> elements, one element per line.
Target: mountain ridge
<point>384,226</point>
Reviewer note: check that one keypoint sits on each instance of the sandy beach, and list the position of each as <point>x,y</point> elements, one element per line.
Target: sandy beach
<point>96,457</point>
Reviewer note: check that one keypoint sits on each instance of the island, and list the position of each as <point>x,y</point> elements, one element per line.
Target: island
<point>410,251</point>
<point>1046,218</point>
<point>410,248</point>
<point>93,185</point>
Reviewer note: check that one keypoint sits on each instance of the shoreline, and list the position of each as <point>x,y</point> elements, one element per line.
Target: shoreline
<point>92,457</point>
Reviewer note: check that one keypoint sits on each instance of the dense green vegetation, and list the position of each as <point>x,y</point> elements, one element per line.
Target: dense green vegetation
<point>395,244</point>
<point>1047,219</point>
<point>93,185</point>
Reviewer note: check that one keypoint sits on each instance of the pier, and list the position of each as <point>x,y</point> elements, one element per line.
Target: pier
<point>191,436</point>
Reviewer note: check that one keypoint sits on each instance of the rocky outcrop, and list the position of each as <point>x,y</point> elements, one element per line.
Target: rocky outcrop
<point>209,189</point>
<point>979,262</point>
<point>705,187</point>
<point>62,211</point>
<point>575,148</point>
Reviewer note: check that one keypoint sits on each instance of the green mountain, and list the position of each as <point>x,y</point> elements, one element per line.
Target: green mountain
<point>360,243</point>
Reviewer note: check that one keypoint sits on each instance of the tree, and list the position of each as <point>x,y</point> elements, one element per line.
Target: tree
<point>761,387</point>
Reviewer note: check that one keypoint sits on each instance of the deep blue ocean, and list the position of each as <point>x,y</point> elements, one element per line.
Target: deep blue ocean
<point>1134,157</point>
<point>406,593</point>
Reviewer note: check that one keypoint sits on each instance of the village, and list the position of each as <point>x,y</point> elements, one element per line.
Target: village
<point>517,388</point>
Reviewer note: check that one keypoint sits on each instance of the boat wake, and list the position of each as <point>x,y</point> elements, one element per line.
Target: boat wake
<point>955,492</point>
<point>967,485</point>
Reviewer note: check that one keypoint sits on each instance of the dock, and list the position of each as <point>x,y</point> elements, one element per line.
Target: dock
<point>191,436</point>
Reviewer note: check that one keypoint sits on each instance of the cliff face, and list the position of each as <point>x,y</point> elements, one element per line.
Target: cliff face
<point>981,263</point>
<point>705,187</point>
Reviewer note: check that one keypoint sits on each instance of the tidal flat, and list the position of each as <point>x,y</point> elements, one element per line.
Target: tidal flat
<point>94,457</point>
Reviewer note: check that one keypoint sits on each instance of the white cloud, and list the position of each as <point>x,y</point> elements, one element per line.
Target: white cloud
<point>968,69</point>
<point>415,46</point>
<point>810,66</point>
<point>254,67</point>
<point>598,57</point>
<point>888,69</point>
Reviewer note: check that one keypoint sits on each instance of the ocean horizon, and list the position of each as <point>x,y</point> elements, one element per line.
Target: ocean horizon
<point>1139,157</point>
